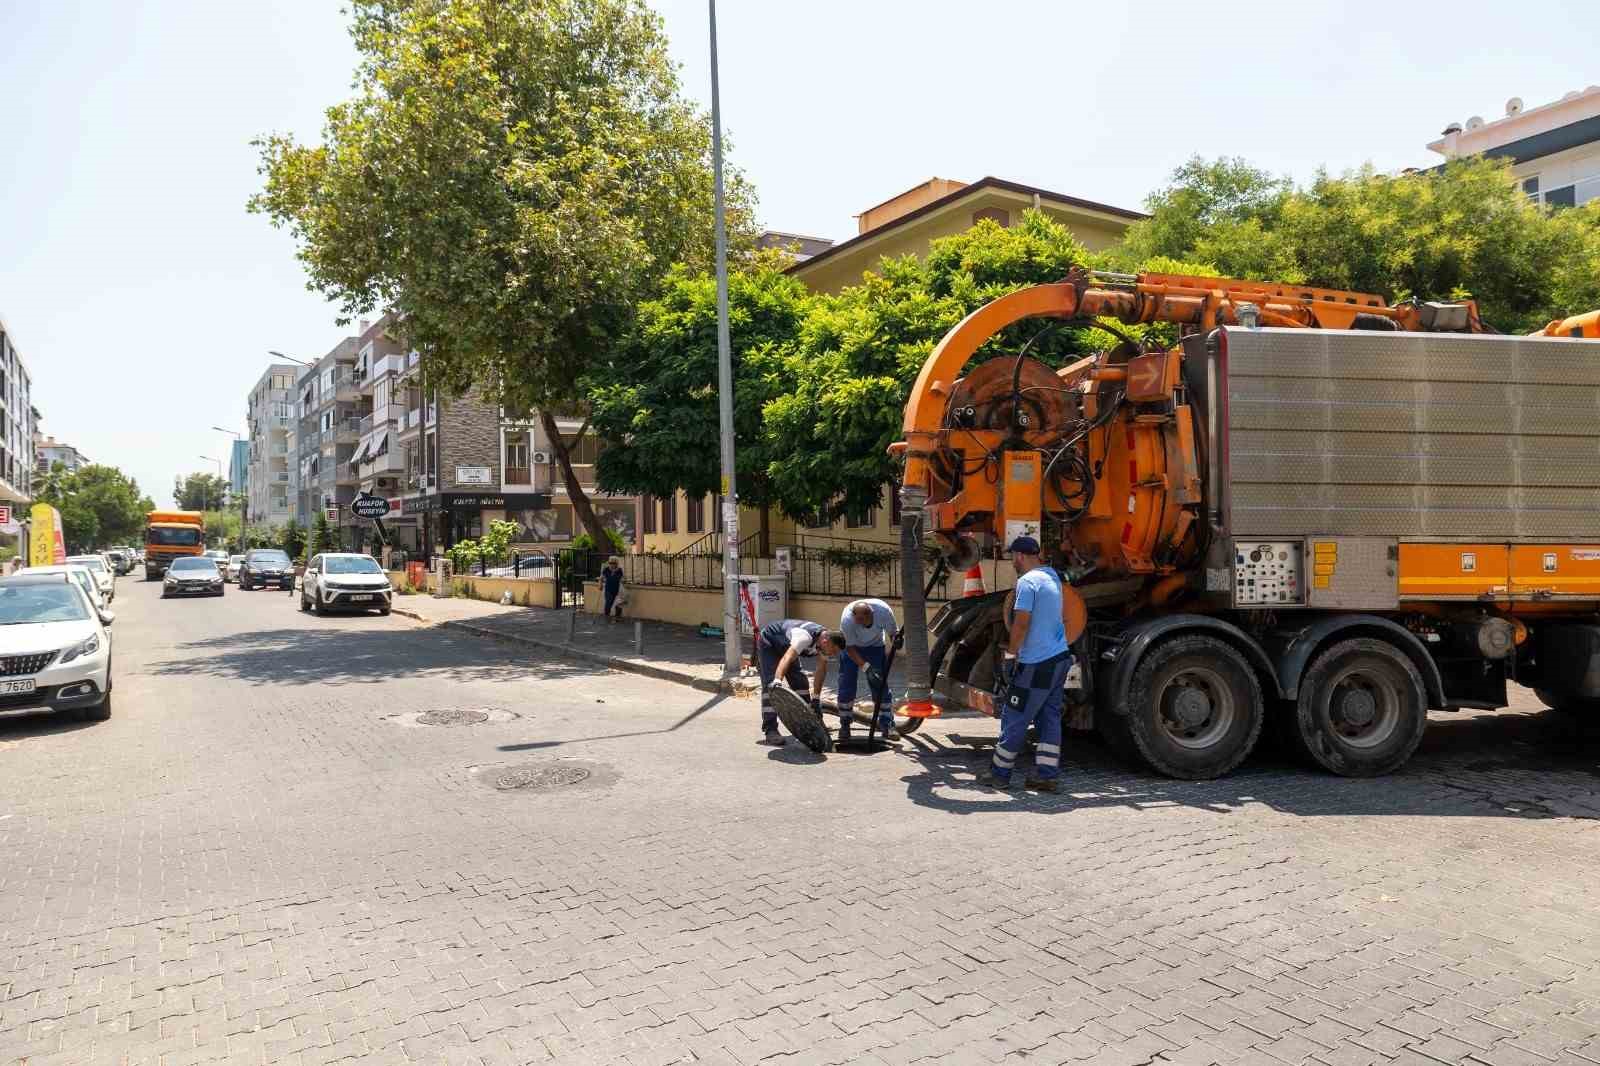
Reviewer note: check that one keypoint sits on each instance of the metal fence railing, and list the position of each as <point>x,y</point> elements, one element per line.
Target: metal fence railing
<point>821,567</point>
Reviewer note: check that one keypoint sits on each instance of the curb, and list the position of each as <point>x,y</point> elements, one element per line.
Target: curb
<point>721,686</point>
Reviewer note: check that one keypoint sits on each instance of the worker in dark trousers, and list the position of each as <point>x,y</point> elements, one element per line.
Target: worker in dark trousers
<point>780,646</point>
<point>868,628</point>
<point>1035,670</point>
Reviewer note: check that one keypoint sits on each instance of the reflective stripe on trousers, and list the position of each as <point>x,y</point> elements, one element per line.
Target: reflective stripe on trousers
<point>1033,697</point>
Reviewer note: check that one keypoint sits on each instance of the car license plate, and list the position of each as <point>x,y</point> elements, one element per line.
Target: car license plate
<point>361,598</point>
<point>8,688</point>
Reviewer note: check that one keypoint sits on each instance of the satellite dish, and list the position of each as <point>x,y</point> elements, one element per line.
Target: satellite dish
<point>1475,122</point>
<point>1454,127</point>
<point>1514,106</point>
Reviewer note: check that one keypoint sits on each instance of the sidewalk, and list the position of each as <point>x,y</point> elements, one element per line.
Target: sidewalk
<point>671,652</point>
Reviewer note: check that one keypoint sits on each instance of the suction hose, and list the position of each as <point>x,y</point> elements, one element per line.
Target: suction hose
<point>919,685</point>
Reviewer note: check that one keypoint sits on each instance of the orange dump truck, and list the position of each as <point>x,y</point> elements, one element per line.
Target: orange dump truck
<point>1317,514</point>
<point>168,535</point>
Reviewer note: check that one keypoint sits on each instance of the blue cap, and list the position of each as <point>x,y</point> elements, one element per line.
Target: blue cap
<point>1025,545</point>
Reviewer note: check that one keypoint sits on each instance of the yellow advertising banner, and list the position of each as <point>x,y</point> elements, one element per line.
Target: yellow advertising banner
<point>46,546</point>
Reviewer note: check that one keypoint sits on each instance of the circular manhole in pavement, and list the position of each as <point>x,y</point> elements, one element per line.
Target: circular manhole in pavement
<point>452,717</point>
<point>540,778</point>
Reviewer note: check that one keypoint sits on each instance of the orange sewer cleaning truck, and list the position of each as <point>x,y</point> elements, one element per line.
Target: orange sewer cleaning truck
<point>168,535</point>
<point>1317,513</point>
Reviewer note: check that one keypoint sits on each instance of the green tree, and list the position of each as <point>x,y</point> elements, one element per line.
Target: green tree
<point>496,542</point>
<point>512,177</point>
<point>323,538</point>
<point>100,506</point>
<point>1464,229</point>
<point>656,410</point>
<point>292,539</point>
<point>222,529</point>
<point>199,492</point>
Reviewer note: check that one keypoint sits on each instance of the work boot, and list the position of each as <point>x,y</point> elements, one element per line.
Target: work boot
<point>773,739</point>
<point>1040,784</point>
<point>886,726</point>
<point>990,779</point>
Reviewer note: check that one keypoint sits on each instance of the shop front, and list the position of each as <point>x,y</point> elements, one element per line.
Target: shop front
<point>443,518</point>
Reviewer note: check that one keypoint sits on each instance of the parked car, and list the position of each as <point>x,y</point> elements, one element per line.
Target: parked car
<point>265,567</point>
<point>55,648</point>
<point>218,556</point>
<point>104,576</point>
<point>80,576</point>
<point>192,575</point>
<point>344,581</point>
<point>121,561</point>
<point>231,571</point>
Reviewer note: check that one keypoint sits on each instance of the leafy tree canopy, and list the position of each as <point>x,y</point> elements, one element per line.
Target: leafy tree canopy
<point>513,177</point>
<point>656,409</point>
<point>1461,230</point>
<point>199,492</point>
<point>100,506</point>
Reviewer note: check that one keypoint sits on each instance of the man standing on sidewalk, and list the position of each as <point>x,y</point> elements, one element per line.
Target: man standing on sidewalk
<point>779,648</point>
<point>1037,660</point>
<point>867,628</point>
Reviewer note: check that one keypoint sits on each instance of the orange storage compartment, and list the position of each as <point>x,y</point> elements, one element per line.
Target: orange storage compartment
<point>1455,571</point>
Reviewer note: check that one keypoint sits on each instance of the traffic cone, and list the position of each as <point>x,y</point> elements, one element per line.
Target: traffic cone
<point>972,585</point>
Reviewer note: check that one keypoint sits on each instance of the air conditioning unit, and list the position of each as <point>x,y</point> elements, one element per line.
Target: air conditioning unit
<point>540,458</point>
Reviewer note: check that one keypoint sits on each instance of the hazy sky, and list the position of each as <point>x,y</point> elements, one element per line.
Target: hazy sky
<point>144,298</point>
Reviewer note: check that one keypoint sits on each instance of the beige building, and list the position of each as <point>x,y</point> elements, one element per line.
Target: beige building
<point>902,225</point>
<point>1554,148</point>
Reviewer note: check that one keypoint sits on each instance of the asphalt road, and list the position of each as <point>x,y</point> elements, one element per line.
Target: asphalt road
<point>266,857</point>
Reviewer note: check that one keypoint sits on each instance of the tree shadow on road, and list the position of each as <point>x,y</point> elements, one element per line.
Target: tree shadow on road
<point>357,656</point>
<point>1508,764</point>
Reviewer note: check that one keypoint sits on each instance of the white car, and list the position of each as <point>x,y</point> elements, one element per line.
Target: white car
<point>80,576</point>
<point>55,648</point>
<point>104,576</point>
<point>231,571</point>
<point>338,581</point>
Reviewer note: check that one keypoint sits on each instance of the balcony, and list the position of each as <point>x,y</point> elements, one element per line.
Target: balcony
<point>345,474</point>
<point>364,426</point>
<point>347,430</point>
<point>280,477</point>
<point>518,475</point>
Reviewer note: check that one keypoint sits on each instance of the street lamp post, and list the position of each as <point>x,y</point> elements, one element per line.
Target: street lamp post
<point>244,494</point>
<point>730,489</point>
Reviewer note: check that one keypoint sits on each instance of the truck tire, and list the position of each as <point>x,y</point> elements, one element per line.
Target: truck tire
<point>1362,709</point>
<point>1194,709</point>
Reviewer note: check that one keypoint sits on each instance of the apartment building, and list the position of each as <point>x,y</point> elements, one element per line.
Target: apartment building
<point>270,479</point>
<point>329,406</point>
<point>19,421</point>
<point>47,452</point>
<point>239,470</point>
<point>1554,148</point>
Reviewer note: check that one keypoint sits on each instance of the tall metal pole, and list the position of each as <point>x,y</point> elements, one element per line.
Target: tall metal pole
<point>730,493</point>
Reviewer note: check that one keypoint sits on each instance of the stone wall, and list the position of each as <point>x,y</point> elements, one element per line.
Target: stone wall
<point>469,435</point>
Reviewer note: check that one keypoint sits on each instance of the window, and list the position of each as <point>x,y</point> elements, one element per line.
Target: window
<point>1566,196</point>
<point>1530,186</point>
<point>669,514</point>
<point>861,518</point>
<point>647,504</point>
<point>696,507</point>
<point>716,513</point>
<point>894,504</point>
<point>516,459</point>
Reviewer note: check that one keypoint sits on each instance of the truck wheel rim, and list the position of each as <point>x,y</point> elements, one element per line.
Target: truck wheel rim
<point>1197,708</point>
<point>1363,709</point>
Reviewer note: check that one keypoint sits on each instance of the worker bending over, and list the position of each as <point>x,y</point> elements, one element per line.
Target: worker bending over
<point>1035,669</point>
<point>867,628</point>
<point>779,648</point>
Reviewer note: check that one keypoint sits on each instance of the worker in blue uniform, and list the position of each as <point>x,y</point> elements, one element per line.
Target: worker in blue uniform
<point>1037,659</point>
<point>780,646</point>
<point>868,629</point>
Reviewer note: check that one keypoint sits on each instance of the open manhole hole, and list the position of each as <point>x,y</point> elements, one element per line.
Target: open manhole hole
<point>540,778</point>
<point>452,717</point>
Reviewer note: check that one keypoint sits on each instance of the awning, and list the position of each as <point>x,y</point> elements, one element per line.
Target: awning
<point>380,445</point>
<point>355,456</point>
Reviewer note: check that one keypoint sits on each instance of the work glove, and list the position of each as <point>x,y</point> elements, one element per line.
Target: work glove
<point>875,677</point>
<point>1008,669</point>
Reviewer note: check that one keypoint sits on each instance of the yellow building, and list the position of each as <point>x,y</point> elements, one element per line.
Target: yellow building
<point>904,224</point>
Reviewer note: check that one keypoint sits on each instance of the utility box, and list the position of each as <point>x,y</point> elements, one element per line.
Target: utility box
<point>763,598</point>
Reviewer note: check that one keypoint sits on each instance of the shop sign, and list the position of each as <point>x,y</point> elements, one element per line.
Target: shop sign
<point>474,475</point>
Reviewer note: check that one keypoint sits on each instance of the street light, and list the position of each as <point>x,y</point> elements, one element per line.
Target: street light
<point>291,358</point>
<point>730,488</point>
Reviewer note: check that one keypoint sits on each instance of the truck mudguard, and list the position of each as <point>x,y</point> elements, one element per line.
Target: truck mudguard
<point>1140,636</point>
<point>1296,655</point>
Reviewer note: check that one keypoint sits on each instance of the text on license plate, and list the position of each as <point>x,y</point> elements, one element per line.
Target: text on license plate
<point>8,688</point>
<point>361,598</point>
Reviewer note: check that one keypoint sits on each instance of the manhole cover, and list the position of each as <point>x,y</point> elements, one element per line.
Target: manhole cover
<point>452,717</point>
<point>540,777</point>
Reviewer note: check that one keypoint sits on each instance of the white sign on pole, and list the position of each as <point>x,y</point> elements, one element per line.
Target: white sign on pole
<point>784,559</point>
<point>473,475</point>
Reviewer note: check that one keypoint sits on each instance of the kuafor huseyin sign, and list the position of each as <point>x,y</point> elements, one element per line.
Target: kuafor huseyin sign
<point>365,506</point>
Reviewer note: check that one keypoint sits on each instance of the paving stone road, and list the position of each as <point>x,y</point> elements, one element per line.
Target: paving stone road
<point>264,857</point>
